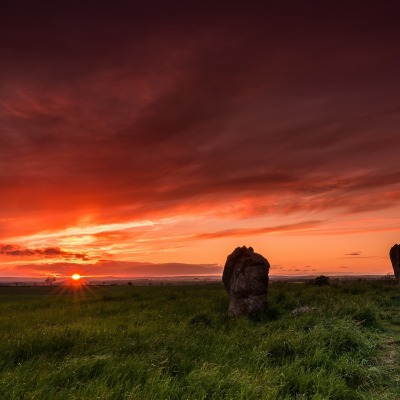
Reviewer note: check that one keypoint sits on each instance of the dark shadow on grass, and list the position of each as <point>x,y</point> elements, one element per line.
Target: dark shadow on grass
<point>272,313</point>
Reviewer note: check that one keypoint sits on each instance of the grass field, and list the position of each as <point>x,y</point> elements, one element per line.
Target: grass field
<point>176,342</point>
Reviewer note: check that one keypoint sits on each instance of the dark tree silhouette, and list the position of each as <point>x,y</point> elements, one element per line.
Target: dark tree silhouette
<point>50,280</point>
<point>321,280</point>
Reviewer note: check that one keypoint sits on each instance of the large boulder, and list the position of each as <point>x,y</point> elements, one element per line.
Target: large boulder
<point>245,278</point>
<point>395,259</point>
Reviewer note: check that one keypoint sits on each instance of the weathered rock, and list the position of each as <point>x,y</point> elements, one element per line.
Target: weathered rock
<point>245,278</point>
<point>302,310</point>
<point>395,259</point>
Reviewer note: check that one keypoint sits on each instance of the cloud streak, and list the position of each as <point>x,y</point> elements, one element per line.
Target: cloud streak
<point>47,252</point>
<point>122,269</point>
<point>301,226</point>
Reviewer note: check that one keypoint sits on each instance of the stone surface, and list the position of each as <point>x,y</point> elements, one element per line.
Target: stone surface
<point>245,278</point>
<point>395,259</point>
<point>302,310</point>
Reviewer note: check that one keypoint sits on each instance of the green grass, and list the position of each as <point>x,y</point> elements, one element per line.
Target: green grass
<point>176,342</point>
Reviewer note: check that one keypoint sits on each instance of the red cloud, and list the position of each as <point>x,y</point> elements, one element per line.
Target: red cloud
<point>230,114</point>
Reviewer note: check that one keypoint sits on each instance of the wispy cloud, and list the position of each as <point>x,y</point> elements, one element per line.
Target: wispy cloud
<point>301,226</point>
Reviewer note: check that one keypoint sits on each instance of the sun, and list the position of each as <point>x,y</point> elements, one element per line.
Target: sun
<point>76,277</point>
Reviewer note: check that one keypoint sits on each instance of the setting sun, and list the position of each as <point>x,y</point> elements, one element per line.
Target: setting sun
<point>76,277</point>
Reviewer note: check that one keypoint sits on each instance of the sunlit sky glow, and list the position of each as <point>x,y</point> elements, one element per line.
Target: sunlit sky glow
<point>151,140</point>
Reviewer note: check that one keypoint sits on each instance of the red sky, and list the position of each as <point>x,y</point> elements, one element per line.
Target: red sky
<point>153,139</point>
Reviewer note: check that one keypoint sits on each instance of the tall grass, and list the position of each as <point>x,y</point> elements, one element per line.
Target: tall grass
<point>177,343</point>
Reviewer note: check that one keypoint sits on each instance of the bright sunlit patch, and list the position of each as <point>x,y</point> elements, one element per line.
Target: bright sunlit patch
<point>76,277</point>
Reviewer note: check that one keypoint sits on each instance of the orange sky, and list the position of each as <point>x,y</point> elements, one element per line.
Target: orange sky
<point>148,141</point>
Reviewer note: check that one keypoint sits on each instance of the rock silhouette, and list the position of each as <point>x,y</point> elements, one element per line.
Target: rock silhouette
<point>245,278</point>
<point>395,259</point>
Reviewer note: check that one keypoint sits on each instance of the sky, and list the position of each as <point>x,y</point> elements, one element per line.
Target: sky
<point>153,138</point>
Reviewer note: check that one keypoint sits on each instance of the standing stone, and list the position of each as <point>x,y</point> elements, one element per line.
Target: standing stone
<point>395,259</point>
<point>245,278</point>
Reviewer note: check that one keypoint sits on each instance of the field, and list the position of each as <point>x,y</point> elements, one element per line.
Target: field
<point>176,342</point>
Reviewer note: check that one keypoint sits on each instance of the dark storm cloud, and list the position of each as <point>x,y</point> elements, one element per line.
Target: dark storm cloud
<point>46,252</point>
<point>139,110</point>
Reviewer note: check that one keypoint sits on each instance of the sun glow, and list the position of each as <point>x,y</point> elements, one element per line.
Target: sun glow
<point>76,277</point>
